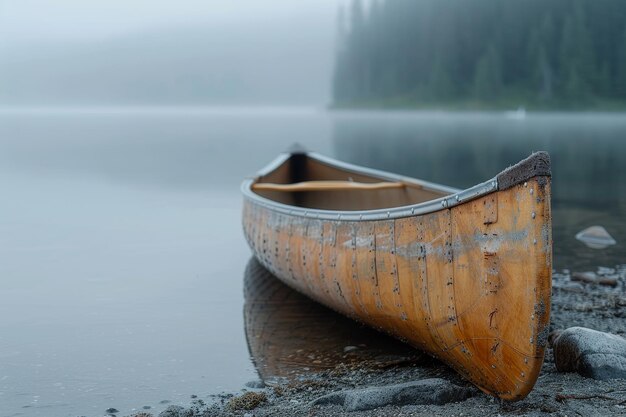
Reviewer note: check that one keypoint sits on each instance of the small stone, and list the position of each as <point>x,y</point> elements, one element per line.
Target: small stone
<point>603,270</point>
<point>593,278</point>
<point>573,287</point>
<point>596,237</point>
<point>591,353</point>
<point>146,407</point>
<point>112,410</point>
<point>583,307</point>
<point>588,276</point>
<point>610,280</point>
<point>569,287</point>
<point>256,384</point>
<point>164,402</point>
<point>428,391</point>
<point>349,349</point>
<point>174,411</point>
<point>194,396</point>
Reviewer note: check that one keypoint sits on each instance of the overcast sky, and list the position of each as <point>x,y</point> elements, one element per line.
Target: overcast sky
<point>166,51</point>
<point>68,20</point>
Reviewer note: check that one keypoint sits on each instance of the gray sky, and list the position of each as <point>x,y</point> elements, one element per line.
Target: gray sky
<point>63,20</point>
<point>166,51</point>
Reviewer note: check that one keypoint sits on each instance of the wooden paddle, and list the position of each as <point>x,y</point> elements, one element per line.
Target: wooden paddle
<point>327,186</point>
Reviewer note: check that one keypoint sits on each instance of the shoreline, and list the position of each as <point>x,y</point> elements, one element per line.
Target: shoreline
<point>469,105</point>
<point>574,303</point>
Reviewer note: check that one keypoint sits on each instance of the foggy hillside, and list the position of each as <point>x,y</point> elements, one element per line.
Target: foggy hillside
<point>252,63</point>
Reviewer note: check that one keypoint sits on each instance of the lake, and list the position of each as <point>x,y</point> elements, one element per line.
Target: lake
<point>122,260</point>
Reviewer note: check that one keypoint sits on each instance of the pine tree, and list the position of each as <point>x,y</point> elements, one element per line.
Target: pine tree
<point>576,56</point>
<point>621,66</point>
<point>540,48</point>
<point>488,75</point>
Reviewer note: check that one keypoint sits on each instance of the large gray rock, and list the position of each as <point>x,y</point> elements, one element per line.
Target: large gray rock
<point>591,353</point>
<point>427,391</point>
<point>596,237</point>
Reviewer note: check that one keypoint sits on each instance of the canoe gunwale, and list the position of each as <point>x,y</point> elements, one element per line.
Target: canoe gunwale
<point>537,164</point>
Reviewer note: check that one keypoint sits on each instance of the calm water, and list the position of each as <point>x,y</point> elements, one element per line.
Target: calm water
<point>122,262</point>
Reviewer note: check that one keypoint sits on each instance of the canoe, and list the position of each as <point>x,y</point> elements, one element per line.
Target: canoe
<point>464,275</point>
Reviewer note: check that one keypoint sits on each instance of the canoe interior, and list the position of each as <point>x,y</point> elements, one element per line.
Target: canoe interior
<point>300,168</point>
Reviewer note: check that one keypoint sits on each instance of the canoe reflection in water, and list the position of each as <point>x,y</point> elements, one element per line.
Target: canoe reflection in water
<point>290,335</point>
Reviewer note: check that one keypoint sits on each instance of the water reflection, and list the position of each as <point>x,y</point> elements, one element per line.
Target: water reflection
<point>588,157</point>
<point>288,334</point>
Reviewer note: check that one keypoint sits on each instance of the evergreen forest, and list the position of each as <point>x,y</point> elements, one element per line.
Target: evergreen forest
<point>539,54</point>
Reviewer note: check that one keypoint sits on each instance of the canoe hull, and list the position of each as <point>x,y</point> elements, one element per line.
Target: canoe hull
<point>468,284</point>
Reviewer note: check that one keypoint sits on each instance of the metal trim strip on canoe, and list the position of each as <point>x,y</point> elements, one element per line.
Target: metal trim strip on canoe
<point>455,197</point>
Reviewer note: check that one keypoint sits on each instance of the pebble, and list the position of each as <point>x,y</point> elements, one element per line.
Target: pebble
<point>569,286</point>
<point>255,384</point>
<point>112,410</point>
<point>593,278</point>
<point>175,411</point>
<point>428,391</point>
<point>591,353</point>
<point>349,349</point>
<point>583,307</point>
<point>588,276</point>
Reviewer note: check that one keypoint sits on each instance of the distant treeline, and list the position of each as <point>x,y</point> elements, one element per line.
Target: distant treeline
<point>482,53</point>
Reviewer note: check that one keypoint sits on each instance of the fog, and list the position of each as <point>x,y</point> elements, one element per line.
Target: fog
<point>140,52</point>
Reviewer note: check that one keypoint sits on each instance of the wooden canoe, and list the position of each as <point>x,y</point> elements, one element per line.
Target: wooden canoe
<point>464,275</point>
